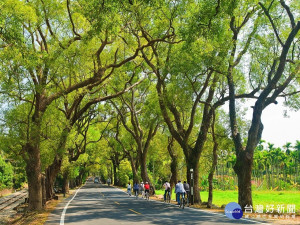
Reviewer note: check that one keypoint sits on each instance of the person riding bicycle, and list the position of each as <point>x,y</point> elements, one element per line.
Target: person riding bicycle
<point>167,189</point>
<point>147,188</point>
<point>136,189</point>
<point>179,190</point>
<point>129,189</point>
<point>187,189</point>
<point>142,189</point>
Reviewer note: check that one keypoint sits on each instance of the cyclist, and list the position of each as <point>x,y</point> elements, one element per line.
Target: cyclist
<point>167,189</point>
<point>147,189</point>
<point>187,190</point>
<point>129,189</point>
<point>179,190</point>
<point>136,189</point>
<point>142,189</point>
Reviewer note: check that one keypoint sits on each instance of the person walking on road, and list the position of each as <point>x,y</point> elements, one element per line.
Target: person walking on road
<point>129,189</point>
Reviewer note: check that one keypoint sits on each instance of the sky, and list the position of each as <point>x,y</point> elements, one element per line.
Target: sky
<point>278,129</point>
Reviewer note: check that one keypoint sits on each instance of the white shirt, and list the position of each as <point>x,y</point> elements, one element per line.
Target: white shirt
<point>179,188</point>
<point>167,185</point>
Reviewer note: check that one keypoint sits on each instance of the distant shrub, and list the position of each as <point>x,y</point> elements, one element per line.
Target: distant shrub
<point>6,174</point>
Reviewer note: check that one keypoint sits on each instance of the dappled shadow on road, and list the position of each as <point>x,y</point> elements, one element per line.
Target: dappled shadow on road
<point>96,203</point>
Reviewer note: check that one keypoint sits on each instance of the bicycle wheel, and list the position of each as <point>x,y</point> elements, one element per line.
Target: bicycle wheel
<point>187,200</point>
<point>168,197</point>
<point>181,202</point>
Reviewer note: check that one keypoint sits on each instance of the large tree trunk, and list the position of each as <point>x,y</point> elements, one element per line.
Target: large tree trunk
<point>134,171</point>
<point>65,187</point>
<point>243,169</point>
<point>144,173</point>
<point>174,171</point>
<point>116,165</point>
<point>115,176</point>
<point>54,168</point>
<point>32,155</point>
<point>81,174</point>
<point>174,163</point>
<point>34,176</point>
<point>193,163</point>
<point>51,173</point>
<point>44,198</point>
<point>211,175</point>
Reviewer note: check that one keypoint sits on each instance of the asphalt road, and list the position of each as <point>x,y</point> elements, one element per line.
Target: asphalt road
<point>99,204</point>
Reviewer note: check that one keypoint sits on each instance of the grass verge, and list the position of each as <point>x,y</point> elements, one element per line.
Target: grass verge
<point>259,198</point>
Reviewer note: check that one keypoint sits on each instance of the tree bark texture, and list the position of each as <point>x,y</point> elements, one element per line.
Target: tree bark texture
<point>34,178</point>
<point>51,173</point>
<point>66,182</point>
<point>212,170</point>
<point>54,168</point>
<point>174,163</point>
<point>243,169</point>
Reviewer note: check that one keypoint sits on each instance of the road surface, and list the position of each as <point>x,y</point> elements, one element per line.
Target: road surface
<point>95,204</point>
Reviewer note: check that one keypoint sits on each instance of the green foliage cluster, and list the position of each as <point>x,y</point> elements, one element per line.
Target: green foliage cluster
<point>6,174</point>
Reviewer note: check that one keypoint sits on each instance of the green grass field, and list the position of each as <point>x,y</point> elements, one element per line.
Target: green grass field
<point>259,198</point>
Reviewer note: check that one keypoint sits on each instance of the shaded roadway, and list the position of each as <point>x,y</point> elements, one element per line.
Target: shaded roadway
<point>100,204</point>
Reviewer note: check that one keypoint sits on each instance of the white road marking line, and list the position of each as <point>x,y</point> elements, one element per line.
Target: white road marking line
<point>62,218</point>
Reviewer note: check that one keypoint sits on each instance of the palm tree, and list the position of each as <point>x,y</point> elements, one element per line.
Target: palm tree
<point>260,146</point>
<point>258,165</point>
<point>270,146</point>
<point>272,159</point>
<point>287,147</point>
<point>268,164</point>
<point>296,157</point>
<point>275,157</point>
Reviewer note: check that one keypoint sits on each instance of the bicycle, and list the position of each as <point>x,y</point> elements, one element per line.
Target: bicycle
<point>136,193</point>
<point>187,199</point>
<point>143,195</point>
<point>182,200</point>
<point>147,195</point>
<point>168,197</point>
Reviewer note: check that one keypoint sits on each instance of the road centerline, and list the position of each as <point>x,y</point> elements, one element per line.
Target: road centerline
<point>135,211</point>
